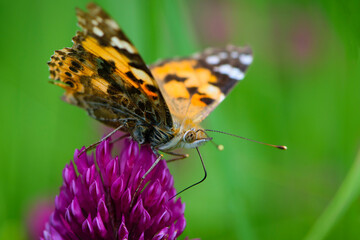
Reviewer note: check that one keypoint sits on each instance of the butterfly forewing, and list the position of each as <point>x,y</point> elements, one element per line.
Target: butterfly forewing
<point>104,74</point>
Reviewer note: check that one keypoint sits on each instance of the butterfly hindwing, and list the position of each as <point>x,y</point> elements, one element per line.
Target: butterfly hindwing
<point>194,86</point>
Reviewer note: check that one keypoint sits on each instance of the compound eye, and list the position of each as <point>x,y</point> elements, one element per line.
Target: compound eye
<point>190,136</point>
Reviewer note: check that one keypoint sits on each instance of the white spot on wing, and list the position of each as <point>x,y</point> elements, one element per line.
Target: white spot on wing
<point>94,22</point>
<point>98,31</point>
<point>211,90</point>
<point>232,72</point>
<point>224,69</point>
<point>111,23</point>
<point>223,55</point>
<point>99,19</point>
<point>236,74</point>
<point>213,59</point>
<point>246,59</point>
<point>221,98</point>
<point>116,42</point>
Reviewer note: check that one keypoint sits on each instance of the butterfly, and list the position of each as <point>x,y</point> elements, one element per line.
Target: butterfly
<point>161,105</point>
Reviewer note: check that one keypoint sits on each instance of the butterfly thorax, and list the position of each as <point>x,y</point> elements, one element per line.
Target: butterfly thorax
<point>158,136</point>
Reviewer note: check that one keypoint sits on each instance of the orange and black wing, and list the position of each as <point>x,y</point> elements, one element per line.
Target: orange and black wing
<point>195,85</point>
<point>103,73</point>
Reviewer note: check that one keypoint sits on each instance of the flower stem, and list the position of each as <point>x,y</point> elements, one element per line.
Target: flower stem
<point>347,193</point>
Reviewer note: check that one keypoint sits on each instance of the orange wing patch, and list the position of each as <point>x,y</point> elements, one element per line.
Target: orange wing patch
<point>109,53</point>
<point>183,80</point>
<point>186,88</point>
<point>176,89</point>
<point>194,86</point>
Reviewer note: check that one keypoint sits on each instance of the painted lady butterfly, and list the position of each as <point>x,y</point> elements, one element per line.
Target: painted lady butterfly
<point>162,105</point>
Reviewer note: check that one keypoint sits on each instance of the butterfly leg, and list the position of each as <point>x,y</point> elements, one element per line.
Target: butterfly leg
<point>120,138</point>
<point>103,139</point>
<point>144,176</point>
<point>203,179</point>
<point>179,156</point>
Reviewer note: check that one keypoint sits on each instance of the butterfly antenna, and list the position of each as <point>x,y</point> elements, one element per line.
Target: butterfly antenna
<point>271,145</point>
<point>203,179</point>
<point>220,147</point>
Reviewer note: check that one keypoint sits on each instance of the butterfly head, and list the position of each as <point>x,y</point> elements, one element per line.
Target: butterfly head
<point>189,138</point>
<point>194,138</point>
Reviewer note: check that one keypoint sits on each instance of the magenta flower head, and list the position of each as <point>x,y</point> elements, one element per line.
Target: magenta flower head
<point>97,199</point>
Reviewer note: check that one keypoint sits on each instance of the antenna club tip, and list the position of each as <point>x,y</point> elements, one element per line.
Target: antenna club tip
<point>282,147</point>
<point>220,147</point>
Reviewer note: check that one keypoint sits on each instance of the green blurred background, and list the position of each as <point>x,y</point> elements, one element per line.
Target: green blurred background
<point>302,91</point>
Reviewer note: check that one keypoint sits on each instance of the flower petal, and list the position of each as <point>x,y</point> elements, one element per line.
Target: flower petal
<point>117,188</point>
<point>99,226</point>
<point>123,233</point>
